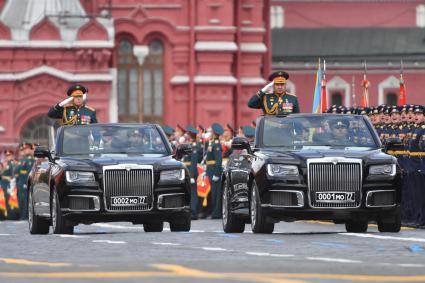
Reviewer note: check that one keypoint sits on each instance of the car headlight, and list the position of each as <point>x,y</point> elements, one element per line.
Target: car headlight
<point>172,175</point>
<point>382,170</point>
<point>282,170</point>
<point>79,177</point>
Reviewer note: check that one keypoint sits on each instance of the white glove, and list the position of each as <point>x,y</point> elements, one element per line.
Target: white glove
<point>66,101</point>
<point>267,87</point>
<point>215,178</point>
<point>192,180</point>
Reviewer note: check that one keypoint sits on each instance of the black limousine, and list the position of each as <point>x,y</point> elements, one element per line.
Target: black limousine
<point>312,167</point>
<point>109,172</point>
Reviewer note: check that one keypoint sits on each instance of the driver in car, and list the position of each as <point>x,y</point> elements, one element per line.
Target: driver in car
<point>339,131</point>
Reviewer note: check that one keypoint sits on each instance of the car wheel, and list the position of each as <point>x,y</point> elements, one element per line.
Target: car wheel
<point>390,224</point>
<point>258,217</point>
<point>37,225</point>
<point>231,222</point>
<point>153,227</point>
<point>182,225</point>
<point>58,221</point>
<point>356,226</point>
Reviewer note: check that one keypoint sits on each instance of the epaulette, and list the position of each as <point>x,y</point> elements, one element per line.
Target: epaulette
<point>90,108</point>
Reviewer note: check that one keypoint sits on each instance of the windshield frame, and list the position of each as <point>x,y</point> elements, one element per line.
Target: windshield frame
<point>260,130</point>
<point>60,139</point>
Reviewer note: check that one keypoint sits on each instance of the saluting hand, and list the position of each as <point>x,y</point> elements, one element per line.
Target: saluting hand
<point>267,88</point>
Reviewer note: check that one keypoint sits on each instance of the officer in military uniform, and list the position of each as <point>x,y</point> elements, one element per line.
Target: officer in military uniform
<point>191,161</point>
<point>276,101</point>
<point>73,110</point>
<point>213,160</point>
<point>21,174</point>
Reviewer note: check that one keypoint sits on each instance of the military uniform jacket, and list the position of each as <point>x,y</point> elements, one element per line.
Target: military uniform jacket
<point>23,169</point>
<point>191,160</point>
<point>7,175</point>
<point>72,115</point>
<point>274,104</point>
<point>214,158</point>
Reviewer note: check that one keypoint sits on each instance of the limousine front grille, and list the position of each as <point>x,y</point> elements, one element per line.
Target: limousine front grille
<point>128,181</point>
<point>334,175</point>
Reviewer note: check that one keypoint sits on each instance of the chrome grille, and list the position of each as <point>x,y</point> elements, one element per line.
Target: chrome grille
<point>128,181</point>
<point>334,175</point>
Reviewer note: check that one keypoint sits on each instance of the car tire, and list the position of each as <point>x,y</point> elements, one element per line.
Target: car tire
<point>37,225</point>
<point>390,224</point>
<point>231,222</point>
<point>259,223</point>
<point>356,226</point>
<point>182,225</point>
<point>59,224</point>
<point>153,227</point>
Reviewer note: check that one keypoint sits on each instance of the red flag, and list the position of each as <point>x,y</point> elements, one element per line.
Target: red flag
<point>203,185</point>
<point>365,96</point>
<point>402,97</point>
<point>323,102</point>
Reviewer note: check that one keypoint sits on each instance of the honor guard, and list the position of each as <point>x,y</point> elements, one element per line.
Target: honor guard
<point>191,161</point>
<point>213,160</point>
<point>73,110</point>
<point>21,174</point>
<point>275,101</point>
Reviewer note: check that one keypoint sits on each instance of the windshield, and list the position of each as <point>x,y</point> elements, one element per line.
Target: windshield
<point>316,131</point>
<point>106,139</point>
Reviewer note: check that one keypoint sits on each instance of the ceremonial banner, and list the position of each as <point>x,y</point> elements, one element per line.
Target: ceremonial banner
<point>402,97</point>
<point>13,195</point>
<point>203,185</point>
<point>3,207</point>
<point>317,91</point>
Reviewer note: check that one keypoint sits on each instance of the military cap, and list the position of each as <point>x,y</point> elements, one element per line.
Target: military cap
<point>168,130</point>
<point>76,90</point>
<point>279,77</point>
<point>191,130</point>
<point>376,110</point>
<point>339,122</point>
<point>395,110</point>
<point>419,109</point>
<point>411,108</point>
<point>248,131</point>
<point>217,129</point>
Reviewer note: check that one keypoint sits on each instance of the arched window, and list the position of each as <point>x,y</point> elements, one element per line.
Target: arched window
<point>36,130</point>
<point>276,17</point>
<point>153,83</point>
<point>420,16</point>
<point>128,83</point>
<point>391,98</point>
<point>336,98</point>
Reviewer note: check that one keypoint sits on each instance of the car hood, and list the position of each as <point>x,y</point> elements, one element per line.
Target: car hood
<point>301,157</point>
<point>97,163</point>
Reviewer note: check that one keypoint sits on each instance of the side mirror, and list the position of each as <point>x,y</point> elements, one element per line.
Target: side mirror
<point>240,143</point>
<point>182,150</point>
<point>42,152</point>
<point>393,144</point>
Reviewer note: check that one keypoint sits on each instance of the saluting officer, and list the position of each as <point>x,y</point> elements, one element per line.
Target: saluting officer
<point>73,110</point>
<point>275,101</point>
<point>213,160</point>
<point>191,161</point>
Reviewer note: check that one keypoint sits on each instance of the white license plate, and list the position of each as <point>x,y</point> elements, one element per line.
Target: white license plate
<point>128,201</point>
<point>335,197</point>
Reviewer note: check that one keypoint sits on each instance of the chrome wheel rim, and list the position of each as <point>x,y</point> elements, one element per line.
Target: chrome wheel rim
<point>253,206</point>
<point>224,210</point>
<point>54,214</point>
<point>30,211</point>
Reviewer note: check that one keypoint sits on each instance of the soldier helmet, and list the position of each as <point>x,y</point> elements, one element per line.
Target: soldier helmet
<point>76,90</point>
<point>279,77</point>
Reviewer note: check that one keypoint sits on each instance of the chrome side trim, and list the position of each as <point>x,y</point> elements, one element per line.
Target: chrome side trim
<point>300,199</point>
<point>160,197</point>
<point>96,202</point>
<point>369,194</point>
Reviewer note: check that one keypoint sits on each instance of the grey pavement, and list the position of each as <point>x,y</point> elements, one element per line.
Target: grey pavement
<point>295,252</point>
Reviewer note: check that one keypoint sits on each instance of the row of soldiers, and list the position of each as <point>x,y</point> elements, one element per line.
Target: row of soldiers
<point>406,123</point>
<point>211,148</point>
<point>14,171</point>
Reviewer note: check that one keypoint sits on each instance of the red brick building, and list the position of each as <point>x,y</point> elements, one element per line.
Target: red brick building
<point>165,61</point>
<point>346,33</point>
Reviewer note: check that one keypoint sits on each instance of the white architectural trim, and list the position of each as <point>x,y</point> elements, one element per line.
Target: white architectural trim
<point>176,80</point>
<point>56,44</point>
<point>113,101</point>
<point>215,80</point>
<point>215,28</point>
<point>183,28</point>
<point>390,82</point>
<point>253,81</point>
<point>140,51</point>
<point>253,30</point>
<point>71,77</point>
<point>215,46</point>
<point>339,83</point>
<point>256,47</point>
